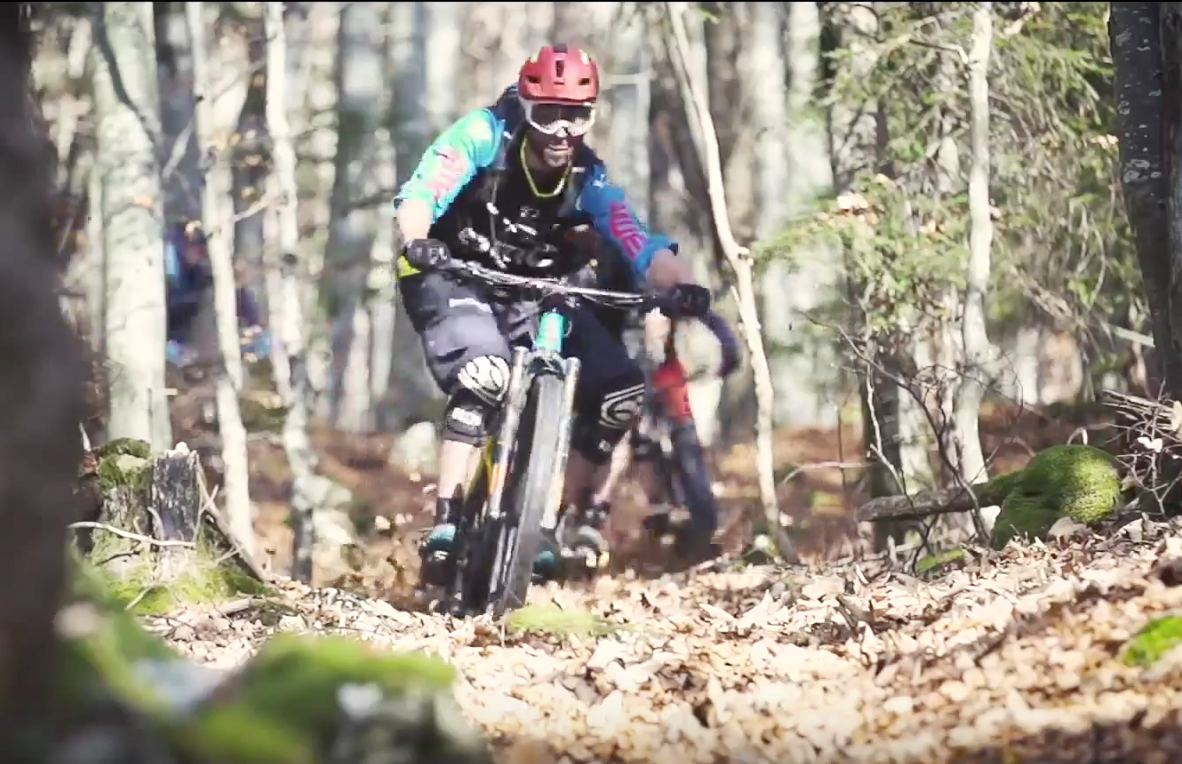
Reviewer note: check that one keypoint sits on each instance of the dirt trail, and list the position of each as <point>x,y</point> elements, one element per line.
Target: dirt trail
<point>1013,657</point>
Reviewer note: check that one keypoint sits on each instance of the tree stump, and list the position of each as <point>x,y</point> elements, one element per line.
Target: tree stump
<point>156,531</point>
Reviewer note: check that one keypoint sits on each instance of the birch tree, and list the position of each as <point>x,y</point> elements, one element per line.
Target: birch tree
<point>128,179</point>
<point>424,102</point>
<point>361,109</point>
<point>975,339</point>
<point>284,293</point>
<point>220,92</point>
<point>697,109</point>
<point>181,170</point>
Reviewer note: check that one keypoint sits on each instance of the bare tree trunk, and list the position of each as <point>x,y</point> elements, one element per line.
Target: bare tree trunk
<point>96,255</point>
<point>287,357</point>
<point>361,108</point>
<point>415,28</point>
<point>1171,49</point>
<point>977,350</point>
<point>739,259</point>
<point>217,110</point>
<point>1137,67</point>
<point>182,171</point>
<point>319,140</point>
<point>125,109</point>
<point>793,169</point>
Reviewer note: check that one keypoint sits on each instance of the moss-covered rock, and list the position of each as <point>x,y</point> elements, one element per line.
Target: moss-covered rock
<point>298,701</point>
<point>129,446</point>
<point>203,579</point>
<point>300,697</point>
<point>1154,640</point>
<point>1077,481</point>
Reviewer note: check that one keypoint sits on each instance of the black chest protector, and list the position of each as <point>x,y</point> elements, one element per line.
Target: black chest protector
<point>499,222</point>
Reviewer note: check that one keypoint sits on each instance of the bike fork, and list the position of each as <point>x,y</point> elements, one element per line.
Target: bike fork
<point>570,368</point>
<point>514,400</point>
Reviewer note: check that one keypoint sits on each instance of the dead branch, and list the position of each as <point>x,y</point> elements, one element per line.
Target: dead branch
<point>739,259</point>
<point>129,535</point>
<point>939,501</point>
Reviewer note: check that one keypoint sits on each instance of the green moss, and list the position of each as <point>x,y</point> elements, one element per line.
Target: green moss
<point>1081,482</point>
<point>935,561</point>
<point>90,585</point>
<point>125,446</point>
<point>994,492</point>
<point>203,581</point>
<point>124,472</point>
<point>1023,515</point>
<point>553,620</point>
<point>101,644</point>
<point>284,706</point>
<point>1154,640</point>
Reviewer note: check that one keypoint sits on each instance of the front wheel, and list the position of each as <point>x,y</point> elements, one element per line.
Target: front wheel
<point>531,478</point>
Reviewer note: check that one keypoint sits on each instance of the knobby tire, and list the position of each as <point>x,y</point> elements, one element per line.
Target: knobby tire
<point>533,471</point>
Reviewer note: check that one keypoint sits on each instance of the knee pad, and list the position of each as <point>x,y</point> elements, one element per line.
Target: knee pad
<point>481,384</point>
<point>619,408</point>
<point>486,377</point>
<point>595,434</point>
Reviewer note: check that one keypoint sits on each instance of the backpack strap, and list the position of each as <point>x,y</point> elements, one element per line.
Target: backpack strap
<point>585,161</point>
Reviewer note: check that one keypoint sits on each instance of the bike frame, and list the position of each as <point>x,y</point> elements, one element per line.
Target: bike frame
<point>485,495</point>
<point>544,356</point>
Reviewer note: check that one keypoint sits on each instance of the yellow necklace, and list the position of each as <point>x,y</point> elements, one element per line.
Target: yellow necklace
<point>529,177</point>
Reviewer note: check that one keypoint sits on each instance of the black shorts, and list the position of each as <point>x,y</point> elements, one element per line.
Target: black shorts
<point>459,322</point>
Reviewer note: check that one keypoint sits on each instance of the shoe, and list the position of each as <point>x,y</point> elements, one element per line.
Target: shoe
<point>436,551</point>
<point>546,560</point>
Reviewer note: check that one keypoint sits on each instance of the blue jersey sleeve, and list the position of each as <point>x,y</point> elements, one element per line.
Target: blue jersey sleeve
<point>452,160</point>
<point>616,221</point>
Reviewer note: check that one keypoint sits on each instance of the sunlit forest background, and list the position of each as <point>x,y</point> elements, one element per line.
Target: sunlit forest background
<point>926,200</point>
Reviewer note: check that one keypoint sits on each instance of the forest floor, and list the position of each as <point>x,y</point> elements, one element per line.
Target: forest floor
<point>1006,657</point>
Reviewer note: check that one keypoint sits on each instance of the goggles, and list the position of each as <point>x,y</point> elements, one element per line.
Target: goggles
<point>559,119</point>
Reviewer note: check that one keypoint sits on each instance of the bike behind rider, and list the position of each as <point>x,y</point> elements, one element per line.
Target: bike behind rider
<point>518,174</point>
<point>609,270</point>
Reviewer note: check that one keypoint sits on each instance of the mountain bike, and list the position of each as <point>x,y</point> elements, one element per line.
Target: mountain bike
<point>666,438</point>
<point>516,491</point>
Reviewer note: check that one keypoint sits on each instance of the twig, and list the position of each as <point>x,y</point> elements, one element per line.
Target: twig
<point>823,466</point>
<point>129,534</point>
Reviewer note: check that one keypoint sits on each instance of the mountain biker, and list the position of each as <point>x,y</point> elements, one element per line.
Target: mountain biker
<point>518,177</point>
<point>609,271</point>
<point>188,279</point>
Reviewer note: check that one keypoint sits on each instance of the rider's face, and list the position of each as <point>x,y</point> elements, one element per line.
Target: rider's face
<point>553,150</point>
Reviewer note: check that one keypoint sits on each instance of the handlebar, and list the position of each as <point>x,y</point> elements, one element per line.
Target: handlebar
<point>644,302</point>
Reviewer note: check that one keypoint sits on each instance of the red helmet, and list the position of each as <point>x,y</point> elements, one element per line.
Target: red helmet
<point>559,73</point>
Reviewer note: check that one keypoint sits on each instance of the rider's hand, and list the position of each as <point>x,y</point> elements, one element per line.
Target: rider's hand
<point>425,254</point>
<point>726,341</point>
<point>690,300</point>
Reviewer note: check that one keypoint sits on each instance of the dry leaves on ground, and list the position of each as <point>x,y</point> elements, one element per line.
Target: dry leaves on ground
<point>1013,657</point>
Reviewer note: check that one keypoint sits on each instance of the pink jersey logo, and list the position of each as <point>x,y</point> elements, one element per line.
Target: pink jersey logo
<point>451,167</point>
<point>625,229</point>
